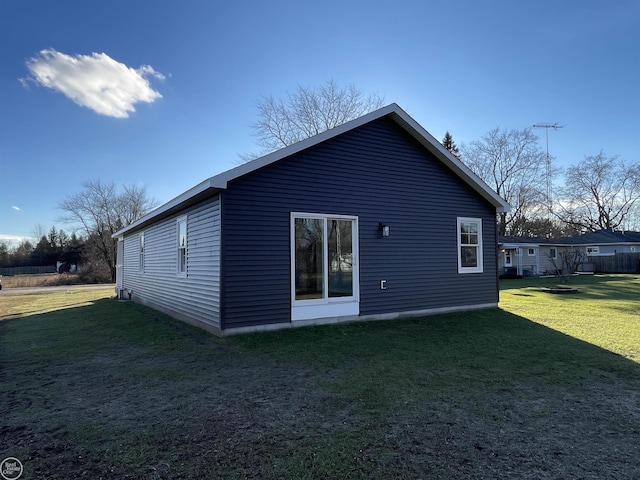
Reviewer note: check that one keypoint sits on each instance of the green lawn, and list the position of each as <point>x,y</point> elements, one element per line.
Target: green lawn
<point>546,387</point>
<point>604,312</point>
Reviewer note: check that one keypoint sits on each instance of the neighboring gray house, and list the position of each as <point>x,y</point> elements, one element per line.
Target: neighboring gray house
<point>605,242</point>
<point>526,256</point>
<point>373,219</point>
<point>529,256</point>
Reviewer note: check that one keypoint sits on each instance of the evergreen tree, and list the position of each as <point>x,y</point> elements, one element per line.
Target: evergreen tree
<point>450,145</point>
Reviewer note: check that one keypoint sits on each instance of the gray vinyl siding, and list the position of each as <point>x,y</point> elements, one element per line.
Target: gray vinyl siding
<point>378,173</point>
<point>546,263</point>
<point>197,295</point>
<point>608,249</point>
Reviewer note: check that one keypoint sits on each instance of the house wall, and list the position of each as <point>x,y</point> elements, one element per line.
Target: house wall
<point>546,263</point>
<point>521,262</point>
<point>196,297</point>
<point>608,249</point>
<point>379,174</point>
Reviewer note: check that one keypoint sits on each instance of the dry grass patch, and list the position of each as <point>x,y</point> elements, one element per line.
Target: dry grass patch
<point>12,306</point>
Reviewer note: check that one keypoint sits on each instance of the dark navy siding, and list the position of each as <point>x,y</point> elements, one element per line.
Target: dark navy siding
<point>380,174</point>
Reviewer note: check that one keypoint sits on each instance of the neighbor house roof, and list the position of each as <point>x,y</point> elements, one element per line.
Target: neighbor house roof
<point>603,237</point>
<point>392,111</point>
<point>509,240</point>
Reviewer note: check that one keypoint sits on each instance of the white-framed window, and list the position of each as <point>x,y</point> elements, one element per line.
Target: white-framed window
<point>182,242</point>
<point>553,252</point>
<point>469,245</point>
<point>593,250</point>
<point>141,262</point>
<point>531,252</point>
<point>508,262</point>
<point>324,265</point>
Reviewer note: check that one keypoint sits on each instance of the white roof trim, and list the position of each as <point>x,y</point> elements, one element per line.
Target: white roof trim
<point>220,182</point>
<point>512,245</point>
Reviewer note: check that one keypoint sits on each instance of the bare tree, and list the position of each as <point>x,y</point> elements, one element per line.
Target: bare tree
<point>308,112</point>
<point>570,261</point>
<point>4,254</point>
<point>541,227</point>
<point>21,253</point>
<point>599,193</point>
<point>100,210</point>
<point>512,163</point>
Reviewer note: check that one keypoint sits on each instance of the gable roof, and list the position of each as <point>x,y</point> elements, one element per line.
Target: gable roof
<point>220,182</point>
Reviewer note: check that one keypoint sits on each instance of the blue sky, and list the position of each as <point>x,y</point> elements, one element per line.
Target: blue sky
<point>163,93</point>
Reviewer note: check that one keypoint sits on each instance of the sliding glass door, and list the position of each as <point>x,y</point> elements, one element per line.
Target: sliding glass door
<point>324,266</point>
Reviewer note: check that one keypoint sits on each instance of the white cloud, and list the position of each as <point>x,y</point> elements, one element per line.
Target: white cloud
<point>95,81</point>
<point>17,209</point>
<point>13,240</point>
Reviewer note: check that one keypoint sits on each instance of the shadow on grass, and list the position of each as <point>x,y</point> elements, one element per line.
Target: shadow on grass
<point>120,391</point>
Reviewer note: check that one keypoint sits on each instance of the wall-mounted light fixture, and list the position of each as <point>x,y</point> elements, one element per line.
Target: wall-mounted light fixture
<point>384,229</point>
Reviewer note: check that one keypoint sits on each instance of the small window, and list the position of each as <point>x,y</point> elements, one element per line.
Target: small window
<point>469,245</point>
<point>182,246</point>
<point>593,250</point>
<point>553,252</point>
<point>531,252</point>
<point>141,265</point>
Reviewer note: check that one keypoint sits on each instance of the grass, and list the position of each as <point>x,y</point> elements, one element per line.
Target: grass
<point>40,280</point>
<point>545,387</point>
<point>39,303</point>
<point>604,312</point>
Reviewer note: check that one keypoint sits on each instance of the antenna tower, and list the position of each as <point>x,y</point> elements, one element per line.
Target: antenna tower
<point>546,127</point>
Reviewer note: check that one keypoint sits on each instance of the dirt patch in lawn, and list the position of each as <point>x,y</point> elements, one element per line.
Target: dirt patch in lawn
<point>527,432</point>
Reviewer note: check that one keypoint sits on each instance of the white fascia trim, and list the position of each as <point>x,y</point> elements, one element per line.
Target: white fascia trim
<point>223,178</point>
<point>519,245</point>
<point>402,118</point>
<point>456,165</point>
<point>192,192</point>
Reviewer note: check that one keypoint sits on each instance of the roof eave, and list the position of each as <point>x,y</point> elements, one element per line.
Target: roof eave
<point>403,119</point>
<point>452,162</point>
<point>220,182</point>
<point>203,190</point>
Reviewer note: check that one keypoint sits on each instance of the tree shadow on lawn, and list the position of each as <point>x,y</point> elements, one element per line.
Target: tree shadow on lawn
<point>117,390</point>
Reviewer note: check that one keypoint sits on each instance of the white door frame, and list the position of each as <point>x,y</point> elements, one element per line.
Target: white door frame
<point>326,307</point>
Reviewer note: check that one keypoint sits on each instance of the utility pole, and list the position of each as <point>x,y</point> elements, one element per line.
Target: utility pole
<point>546,127</point>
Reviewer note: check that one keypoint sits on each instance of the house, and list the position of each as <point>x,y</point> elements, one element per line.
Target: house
<point>606,242</point>
<point>528,256</point>
<point>608,251</point>
<point>373,219</point>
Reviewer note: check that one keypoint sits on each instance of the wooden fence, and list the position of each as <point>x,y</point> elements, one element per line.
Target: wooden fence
<point>10,271</point>
<point>618,263</point>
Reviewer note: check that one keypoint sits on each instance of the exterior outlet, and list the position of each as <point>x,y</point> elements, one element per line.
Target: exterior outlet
<point>383,284</point>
